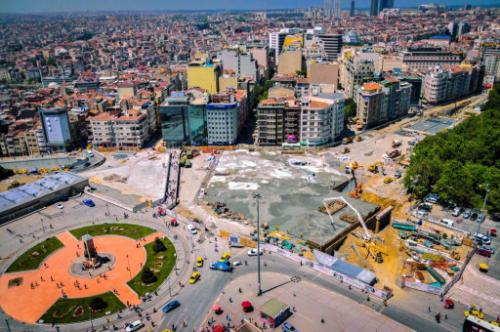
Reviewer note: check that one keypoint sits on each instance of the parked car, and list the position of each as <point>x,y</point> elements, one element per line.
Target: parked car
<point>483,252</point>
<point>431,198</point>
<point>253,252</point>
<point>481,217</point>
<point>170,306</point>
<point>88,202</point>
<point>134,326</point>
<point>287,327</point>
<point>483,239</point>
<point>493,232</point>
<point>489,249</point>
<point>474,214</point>
<point>466,214</point>
<point>59,206</point>
<point>425,206</point>
<point>421,213</point>
<point>456,211</point>
<point>194,231</point>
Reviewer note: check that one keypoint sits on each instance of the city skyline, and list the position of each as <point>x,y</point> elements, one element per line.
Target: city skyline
<point>31,6</point>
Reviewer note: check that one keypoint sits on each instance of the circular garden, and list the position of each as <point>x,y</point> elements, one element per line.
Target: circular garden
<point>44,290</point>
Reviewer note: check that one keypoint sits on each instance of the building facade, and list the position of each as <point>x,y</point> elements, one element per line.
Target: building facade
<point>203,75</point>
<point>222,123</point>
<point>425,59</point>
<point>56,128</point>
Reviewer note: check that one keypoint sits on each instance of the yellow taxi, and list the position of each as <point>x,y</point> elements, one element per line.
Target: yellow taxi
<point>195,276</point>
<point>484,267</point>
<point>225,256</point>
<point>199,261</point>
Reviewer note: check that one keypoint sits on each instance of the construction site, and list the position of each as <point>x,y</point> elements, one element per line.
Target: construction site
<point>348,202</point>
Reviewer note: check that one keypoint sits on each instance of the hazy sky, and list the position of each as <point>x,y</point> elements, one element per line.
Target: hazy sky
<point>29,6</point>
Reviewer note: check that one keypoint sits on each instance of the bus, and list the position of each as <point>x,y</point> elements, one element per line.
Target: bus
<point>475,324</point>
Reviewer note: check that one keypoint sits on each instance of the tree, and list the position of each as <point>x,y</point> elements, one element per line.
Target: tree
<point>13,185</point>
<point>349,110</point>
<point>148,277</point>
<point>461,164</point>
<point>97,304</point>
<point>158,245</point>
<point>5,173</point>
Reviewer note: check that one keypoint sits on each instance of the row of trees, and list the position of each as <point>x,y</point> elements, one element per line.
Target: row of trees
<point>462,164</point>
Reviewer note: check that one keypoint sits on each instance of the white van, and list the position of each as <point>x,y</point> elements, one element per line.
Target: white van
<point>447,222</point>
<point>134,326</point>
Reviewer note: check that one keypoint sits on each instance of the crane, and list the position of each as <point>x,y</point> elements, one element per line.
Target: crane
<point>367,236</point>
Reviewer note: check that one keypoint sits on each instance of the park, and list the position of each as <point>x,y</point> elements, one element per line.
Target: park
<point>86,273</point>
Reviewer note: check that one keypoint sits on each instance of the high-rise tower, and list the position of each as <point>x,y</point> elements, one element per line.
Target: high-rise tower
<point>374,8</point>
<point>386,4</point>
<point>332,8</point>
<point>352,9</point>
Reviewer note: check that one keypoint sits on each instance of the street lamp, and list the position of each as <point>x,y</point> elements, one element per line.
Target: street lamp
<point>43,227</point>
<point>257,197</point>
<point>485,201</point>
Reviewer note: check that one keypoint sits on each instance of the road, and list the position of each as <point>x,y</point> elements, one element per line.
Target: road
<point>410,309</point>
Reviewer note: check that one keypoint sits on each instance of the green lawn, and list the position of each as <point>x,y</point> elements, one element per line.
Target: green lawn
<point>32,258</point>
<point>129,230</point>
<point>68,311</point>
<point>160,263</point>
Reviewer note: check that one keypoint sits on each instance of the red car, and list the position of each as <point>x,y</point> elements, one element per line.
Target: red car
<point>483,252</point>
<point>449,304</point>
<point>493,232</point>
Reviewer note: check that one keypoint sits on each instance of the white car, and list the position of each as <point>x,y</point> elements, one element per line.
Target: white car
<point>134,326</point>
<point>59,206</point>
<point>253,252</point>
<point>236,263</point>
<point>194,231</point>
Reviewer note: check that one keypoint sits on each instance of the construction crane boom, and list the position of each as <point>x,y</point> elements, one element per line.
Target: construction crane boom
<point>360,218</point>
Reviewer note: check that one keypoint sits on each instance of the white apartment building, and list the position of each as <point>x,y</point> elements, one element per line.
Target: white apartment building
<point>447,84</point>
<point>223,123</point>
<point>321,118</point>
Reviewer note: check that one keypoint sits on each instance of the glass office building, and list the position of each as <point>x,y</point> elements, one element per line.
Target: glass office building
<point>183,122</point>
<point>174,122</point>
<point>197,122</point>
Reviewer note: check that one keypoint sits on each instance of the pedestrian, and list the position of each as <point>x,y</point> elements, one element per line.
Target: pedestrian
<point>445,316</point>
<point>429,309</point>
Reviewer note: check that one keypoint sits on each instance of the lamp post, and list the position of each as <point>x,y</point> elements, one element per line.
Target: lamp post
<point>257,197</point>
<point>485,201</point>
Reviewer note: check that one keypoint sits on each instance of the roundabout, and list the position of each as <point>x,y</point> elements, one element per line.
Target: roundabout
<point>56,281</point>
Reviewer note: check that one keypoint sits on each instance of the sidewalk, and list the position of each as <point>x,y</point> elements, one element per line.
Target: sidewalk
<point>312,304</point>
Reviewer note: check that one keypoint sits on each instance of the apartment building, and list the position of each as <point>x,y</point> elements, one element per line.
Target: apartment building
<point>490,57</point>
<point>321,118</point>
<point>278,121</point>
<point>381,102</point>
<point>240,62</point>
<point>444,84</point>
<point>125,131</point>
<point>203,75</point>
<point>332,44</point>
<point>370,105</point>
<point>425,59</point>
<point>356,69</point>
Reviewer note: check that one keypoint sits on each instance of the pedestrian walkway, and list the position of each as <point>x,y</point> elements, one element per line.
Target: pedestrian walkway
<point>314,308</point>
